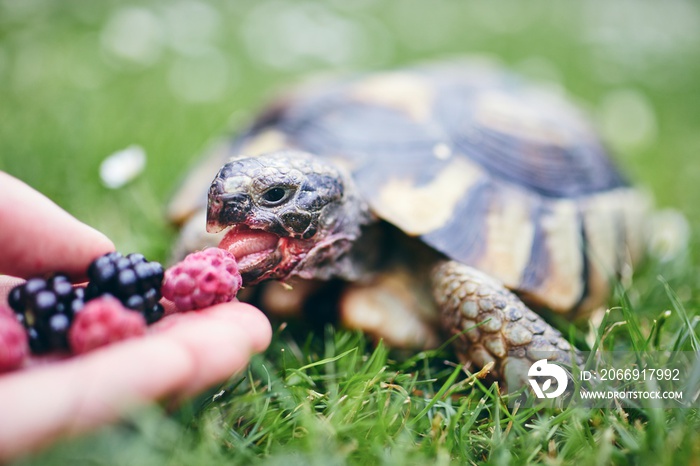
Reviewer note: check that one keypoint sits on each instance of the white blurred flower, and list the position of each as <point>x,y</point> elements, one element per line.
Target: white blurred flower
<point>122,166</point>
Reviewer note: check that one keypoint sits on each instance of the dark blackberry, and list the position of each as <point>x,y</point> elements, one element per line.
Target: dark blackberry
<point>132,280</point>
<point>46,309</point>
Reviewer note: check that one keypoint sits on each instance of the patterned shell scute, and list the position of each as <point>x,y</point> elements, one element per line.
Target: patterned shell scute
<point>417,121</point>
<point>493,172</point>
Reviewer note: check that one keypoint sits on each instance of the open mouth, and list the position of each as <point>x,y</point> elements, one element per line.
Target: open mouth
<point>253,249</point>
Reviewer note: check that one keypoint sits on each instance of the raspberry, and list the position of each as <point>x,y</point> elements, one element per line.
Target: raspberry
<point>132,280</point>
<point>102,321</point>
<point>14,345</point>
<point>46,309</point>
<point>203,278</point>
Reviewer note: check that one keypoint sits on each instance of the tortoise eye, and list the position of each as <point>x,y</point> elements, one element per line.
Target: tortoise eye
<point>274,196</point>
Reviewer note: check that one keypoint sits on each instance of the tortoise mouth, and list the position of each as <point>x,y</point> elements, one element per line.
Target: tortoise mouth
<point>253,249</point>
<point>262,255</point>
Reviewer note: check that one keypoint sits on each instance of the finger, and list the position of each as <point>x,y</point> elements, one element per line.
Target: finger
<point>38,236</point>
<point>80,393</point>
<point>211,334</point>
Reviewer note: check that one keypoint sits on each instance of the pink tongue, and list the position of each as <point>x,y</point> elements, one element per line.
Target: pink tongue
<point>248,242</point>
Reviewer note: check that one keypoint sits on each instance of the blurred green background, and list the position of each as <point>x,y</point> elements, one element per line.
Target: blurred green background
<point>80,80</point>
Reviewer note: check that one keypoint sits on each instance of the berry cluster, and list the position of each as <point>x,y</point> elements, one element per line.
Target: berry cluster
<point>46,309</point>
<point>52,315</point>
<point>202,279</point>
<point>132,280</point>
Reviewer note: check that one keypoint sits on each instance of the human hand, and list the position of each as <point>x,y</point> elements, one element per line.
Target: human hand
<point>181,355</point>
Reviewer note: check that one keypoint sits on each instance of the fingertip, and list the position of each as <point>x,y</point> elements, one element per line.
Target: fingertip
<point>100,244</point>
<point>96,245</point>
<point>249,317</point>
<point>237,315</point>
<point>40,237</point>
<point>89,244</point>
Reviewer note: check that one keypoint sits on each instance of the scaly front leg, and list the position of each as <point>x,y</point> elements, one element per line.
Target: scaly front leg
<point>494,325</point>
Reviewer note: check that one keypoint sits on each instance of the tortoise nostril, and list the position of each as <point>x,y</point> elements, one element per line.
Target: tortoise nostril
<point>274,196</point>
<point>298,222</point>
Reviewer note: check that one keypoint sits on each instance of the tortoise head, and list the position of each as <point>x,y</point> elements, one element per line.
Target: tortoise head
<point>287,213</point>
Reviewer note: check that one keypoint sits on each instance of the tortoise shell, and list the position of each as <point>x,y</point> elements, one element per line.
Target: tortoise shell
<point>491,171</point>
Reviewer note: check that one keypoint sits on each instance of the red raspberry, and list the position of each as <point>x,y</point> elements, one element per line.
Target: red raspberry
<point>14,344</point>
<point>202,279</point>
<point>102,321</point>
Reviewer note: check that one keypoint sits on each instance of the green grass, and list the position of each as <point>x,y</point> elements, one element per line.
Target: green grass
<point>335,398</point>
<point>68,99</point>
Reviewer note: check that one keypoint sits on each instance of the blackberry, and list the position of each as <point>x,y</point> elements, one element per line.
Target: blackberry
<point>132,280</point>
<point>46,308</point>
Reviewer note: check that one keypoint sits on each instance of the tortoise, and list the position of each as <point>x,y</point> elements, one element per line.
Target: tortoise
<point>452,199</point>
